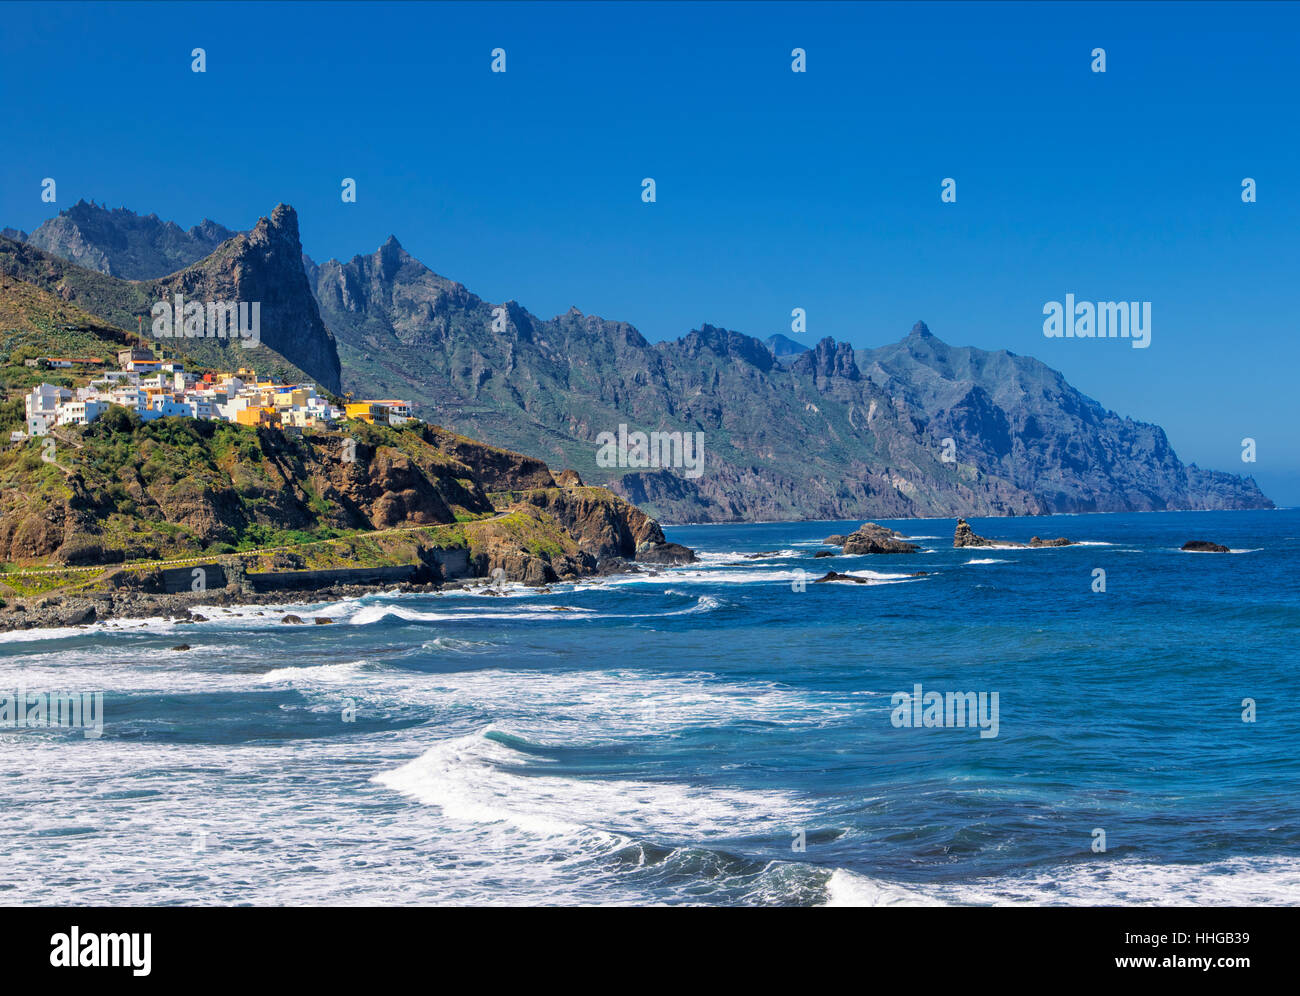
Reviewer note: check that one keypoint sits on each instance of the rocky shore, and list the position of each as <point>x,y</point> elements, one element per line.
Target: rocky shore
<point>55,611</point>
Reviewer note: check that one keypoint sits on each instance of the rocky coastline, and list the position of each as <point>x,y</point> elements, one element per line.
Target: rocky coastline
<point>60,612</point>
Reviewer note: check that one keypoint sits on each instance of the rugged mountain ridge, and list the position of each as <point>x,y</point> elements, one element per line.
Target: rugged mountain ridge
<point>121,243</point>
<point>825,432</point>
<point>789,431</point>
<point>262,265</point>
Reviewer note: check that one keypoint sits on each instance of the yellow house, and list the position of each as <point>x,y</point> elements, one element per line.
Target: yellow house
<point>302,419</point>
<point>367,411</point>
<point>297,398</point>
<point>257,416</point>
<point>370,411</point>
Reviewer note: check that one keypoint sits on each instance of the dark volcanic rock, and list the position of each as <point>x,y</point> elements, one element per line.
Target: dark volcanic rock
<point>823,553</point>
<point>965,536</point>
<point>835,576</point>
<point>292,620</point>
<point>871,538</point>
<point>616,565</point>
<point>1204,546</point>
<point>665,553</point>
<point>1059,541</point>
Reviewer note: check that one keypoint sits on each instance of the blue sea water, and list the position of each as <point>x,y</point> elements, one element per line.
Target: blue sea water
<point>710,734</point>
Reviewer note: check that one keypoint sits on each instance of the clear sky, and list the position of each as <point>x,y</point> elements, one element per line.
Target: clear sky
<point>775,189</point>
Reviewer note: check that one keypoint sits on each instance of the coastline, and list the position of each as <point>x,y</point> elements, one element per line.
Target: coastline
<point>42,612</point>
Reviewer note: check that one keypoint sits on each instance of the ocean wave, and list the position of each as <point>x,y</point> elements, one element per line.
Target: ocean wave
<point>480,779</point>
<point>845,888</point>
<point>371,614</point>
<point>987,560</point>
<point>1238,881</point>
<point>455,646</point>
<point>316,673</point>
<point>723,576</point>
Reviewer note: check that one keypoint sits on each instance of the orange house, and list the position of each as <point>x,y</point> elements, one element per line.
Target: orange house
<point>257,416</point>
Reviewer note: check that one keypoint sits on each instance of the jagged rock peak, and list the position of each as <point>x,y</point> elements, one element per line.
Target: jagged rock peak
<point>284,219</point>
<point>828,359</point>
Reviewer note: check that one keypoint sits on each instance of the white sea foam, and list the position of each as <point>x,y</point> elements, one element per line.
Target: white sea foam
<point>847,888</point>
<point>315,673</point>
<point>478,779</point>
<point>376,613</point>
<point>987,560</point>
<point>1237,881</point>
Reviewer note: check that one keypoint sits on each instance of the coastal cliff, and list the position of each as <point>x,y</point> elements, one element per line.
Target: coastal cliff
<point>123,513</point>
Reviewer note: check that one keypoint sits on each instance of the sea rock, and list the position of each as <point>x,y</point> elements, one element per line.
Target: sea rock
<point>324,620</point>
<point>181,646</point>
<point>965,536</point>
<point>1204,546</point>
<point>665,553</point>
<point>616,565</point>
<point>835,576</point>
<point>823,553</point>
<point>871,538</point>
<point>835,540</point>
<point>292,620</point>
<point>1059,541</point>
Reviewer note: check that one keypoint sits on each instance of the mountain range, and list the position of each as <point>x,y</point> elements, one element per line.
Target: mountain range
<point>916,428</point>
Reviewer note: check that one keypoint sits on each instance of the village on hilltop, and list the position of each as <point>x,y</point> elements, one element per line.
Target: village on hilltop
<point>154,387</point>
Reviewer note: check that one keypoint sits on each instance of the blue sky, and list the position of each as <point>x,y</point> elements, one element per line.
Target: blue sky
<point>775,189</point>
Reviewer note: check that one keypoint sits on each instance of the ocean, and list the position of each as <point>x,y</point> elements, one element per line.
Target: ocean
<point>711,734</point>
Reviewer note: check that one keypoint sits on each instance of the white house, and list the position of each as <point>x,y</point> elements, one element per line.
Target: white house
<point>45,399</point>
<point>199,407</point>
<point>42,406</point>
<point>39,425</point>
<point>130,397</point>
<point>165,405</point>
<point>81,412</point>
